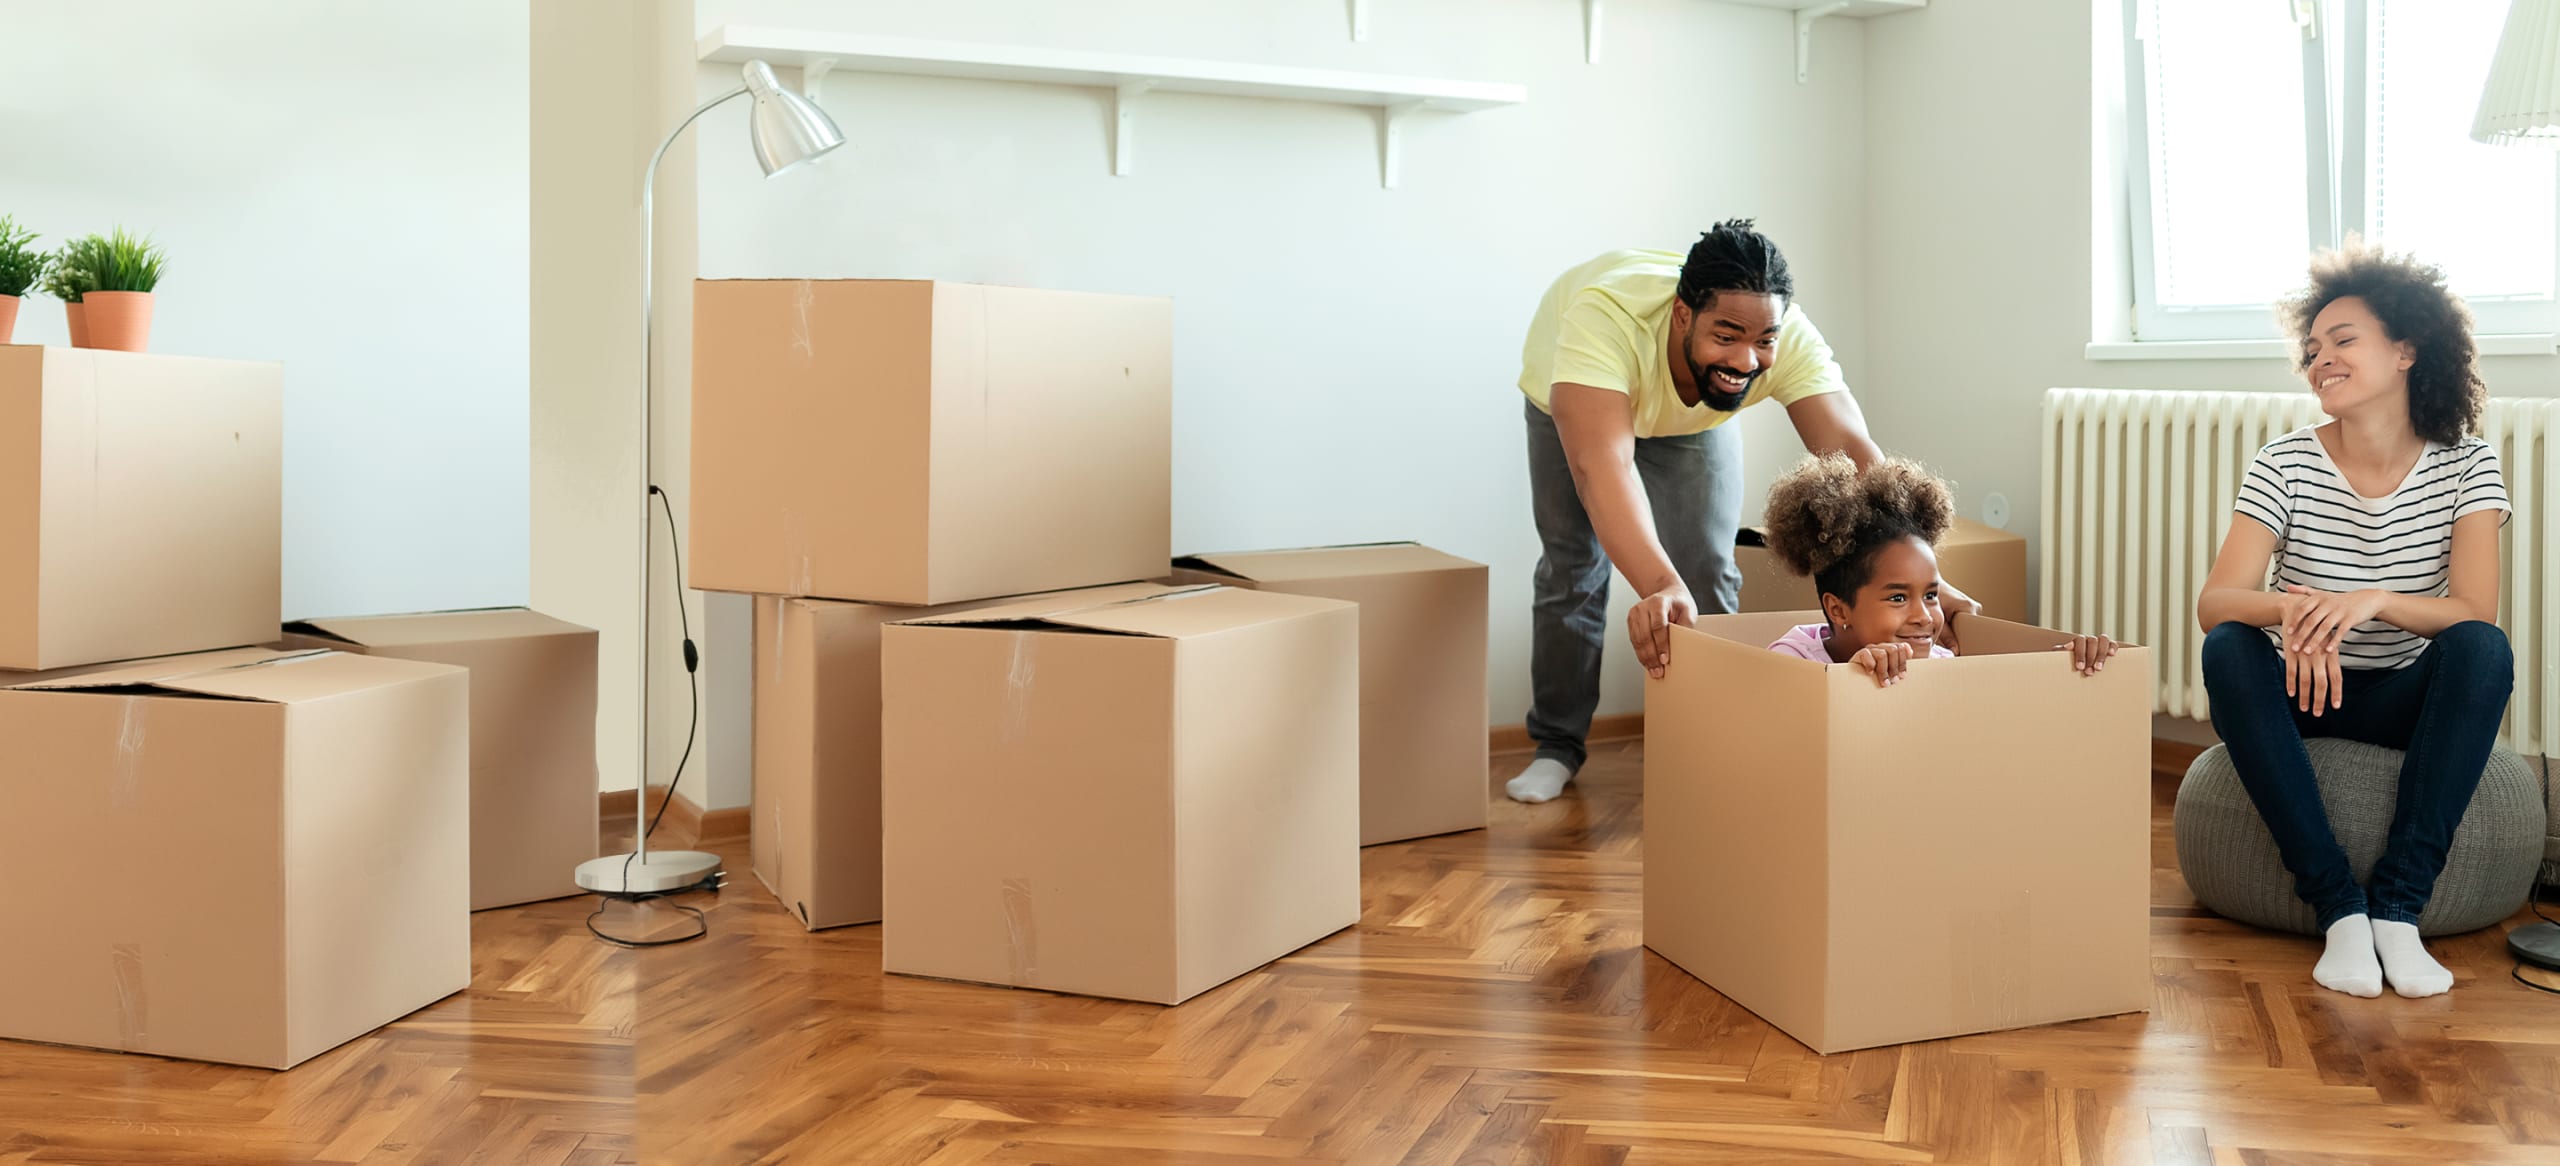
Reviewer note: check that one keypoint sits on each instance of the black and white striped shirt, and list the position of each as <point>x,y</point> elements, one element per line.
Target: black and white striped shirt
<point>2330,538</point>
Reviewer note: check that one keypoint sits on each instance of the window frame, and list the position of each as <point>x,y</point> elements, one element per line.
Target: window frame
<point>2336,118</point>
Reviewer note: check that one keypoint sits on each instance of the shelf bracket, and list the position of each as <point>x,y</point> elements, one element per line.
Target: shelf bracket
<point>1805,18</point>
<point>1359,19</point>
<point>814,74</point>
<point>1591,32</point>
<point>1390,140</point>
<point>1124,120</point>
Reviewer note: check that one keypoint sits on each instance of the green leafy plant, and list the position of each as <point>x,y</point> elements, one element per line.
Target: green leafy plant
<point>72,270</point>
<point>21,265</point>
<point>122,263</point>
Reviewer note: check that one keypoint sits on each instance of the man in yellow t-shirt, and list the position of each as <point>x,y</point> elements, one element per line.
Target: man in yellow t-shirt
<point>1634,362</point>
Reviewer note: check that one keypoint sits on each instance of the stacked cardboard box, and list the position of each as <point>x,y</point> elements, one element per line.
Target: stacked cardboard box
<point>257,855</point>
<point>533,735</point>
<point>940,491</point>
<point>1423,731</point>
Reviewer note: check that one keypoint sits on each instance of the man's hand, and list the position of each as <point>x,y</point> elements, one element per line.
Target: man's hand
<point>1649,625</point>
<point>1953,603</point>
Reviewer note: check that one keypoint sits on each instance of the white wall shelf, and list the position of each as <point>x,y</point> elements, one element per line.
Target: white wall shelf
<point>1808,12</point>
<point>1129,78</point>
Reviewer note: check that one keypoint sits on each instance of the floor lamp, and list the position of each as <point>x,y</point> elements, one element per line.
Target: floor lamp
<point>786,130</point>
<point>2520,105</point>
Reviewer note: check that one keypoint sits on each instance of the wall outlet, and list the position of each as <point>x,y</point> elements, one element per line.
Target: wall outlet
<point>1995,511</point>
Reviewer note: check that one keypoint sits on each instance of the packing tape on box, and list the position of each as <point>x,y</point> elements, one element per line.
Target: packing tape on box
<point>1990,967</point>
<point>1018,677</point>
<point>125,788</point>
<point>1021,931</point>
<point>133,1004</point>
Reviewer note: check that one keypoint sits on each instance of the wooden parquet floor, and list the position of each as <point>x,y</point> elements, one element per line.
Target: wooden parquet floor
<point>531,1064</point>
<point>1495,1006</point>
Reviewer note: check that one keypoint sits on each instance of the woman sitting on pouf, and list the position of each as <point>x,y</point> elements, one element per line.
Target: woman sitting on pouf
<point>2382,526</point>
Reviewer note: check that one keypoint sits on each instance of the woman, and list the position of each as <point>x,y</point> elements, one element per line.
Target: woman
<point>2382,526</point>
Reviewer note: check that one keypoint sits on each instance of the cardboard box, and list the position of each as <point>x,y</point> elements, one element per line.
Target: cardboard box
<point>1984,562</point>
<point>1423,730</point>
<point>1140,799</point>
<point>533,736</point>
<point>1968,850</point>
<point>246,856</point>
<point>924,443</point>
<point>816,815</point>
<point>141,505</point>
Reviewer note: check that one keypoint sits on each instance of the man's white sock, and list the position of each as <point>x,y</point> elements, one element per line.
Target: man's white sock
<point>2405,961</point>
<point>2349,965</point>
<point>1541,782</point>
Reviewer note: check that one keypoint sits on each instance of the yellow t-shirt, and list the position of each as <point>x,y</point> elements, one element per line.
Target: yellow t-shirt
<point>1607,324</point>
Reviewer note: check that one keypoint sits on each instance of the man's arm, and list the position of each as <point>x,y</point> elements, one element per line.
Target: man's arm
<point>1597,427</point>
<point>1831,423</point>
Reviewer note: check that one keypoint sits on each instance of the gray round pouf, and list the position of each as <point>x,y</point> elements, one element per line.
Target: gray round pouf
<point>2231,864</point>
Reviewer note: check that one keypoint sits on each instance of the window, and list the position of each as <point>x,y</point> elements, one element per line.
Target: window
<point>2263,130</point>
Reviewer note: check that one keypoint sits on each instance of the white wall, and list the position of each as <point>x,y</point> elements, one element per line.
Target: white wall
<point>1344,355</point>
<point>340,187</point>
<point>1980,119</point>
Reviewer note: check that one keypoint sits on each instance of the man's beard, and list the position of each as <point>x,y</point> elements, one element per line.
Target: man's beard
<point>1711,392</point>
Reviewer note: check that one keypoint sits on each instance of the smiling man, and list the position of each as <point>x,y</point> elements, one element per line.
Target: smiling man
<point>1634,362</point>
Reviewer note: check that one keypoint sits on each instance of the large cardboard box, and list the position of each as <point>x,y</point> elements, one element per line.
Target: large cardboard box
<point>1965,851</point>
<point>923,442</point>
<point>1140,799</point>
<point>533,735</point>
<point>815,820</point>
<point>1984,562</point>
<point>141,505</point>
<point>1423,731</point>
<point>245,856</point>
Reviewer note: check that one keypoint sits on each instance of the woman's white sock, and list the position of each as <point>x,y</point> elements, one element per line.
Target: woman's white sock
<point>2405,961</point>
<point>2350,965</point>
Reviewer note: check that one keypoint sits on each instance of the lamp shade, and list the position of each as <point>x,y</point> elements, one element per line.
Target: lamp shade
<point>2521,102</point>
<point>786,128</point>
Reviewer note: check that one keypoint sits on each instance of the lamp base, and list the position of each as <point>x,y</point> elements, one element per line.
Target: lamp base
<point>658,873</point>
<point>2537,944</point>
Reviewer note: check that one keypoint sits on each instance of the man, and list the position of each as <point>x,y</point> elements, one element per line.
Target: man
<point>1634,362</point>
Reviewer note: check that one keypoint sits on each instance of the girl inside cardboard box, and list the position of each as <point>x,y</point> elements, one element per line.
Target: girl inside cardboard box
<point>1866,539</point>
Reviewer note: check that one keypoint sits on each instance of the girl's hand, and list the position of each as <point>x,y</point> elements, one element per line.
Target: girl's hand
<point>2323,618</point>
<point>2088,653</point>
<point>1885,662</point>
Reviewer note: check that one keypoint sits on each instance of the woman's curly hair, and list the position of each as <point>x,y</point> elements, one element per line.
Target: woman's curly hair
<point>2414,304</point>
<point>1828,519</point>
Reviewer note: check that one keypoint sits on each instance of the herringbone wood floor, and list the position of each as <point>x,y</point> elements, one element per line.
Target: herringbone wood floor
<point>1496,1005</point>
<point>531,1064</point>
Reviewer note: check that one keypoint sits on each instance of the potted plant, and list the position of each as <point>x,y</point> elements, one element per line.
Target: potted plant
<point>20,266</point>
<point>123,270</point>
<point>66,278</point>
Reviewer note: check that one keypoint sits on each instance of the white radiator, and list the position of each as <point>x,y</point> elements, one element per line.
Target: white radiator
<point>2138,489</point>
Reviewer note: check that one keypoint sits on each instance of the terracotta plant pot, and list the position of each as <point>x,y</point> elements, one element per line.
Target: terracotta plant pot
<point>8,317</point>
<point>79,324</point>
<point>118,320</point>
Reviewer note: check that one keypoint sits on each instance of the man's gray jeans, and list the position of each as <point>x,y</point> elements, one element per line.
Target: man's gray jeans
<point>1694,484</point>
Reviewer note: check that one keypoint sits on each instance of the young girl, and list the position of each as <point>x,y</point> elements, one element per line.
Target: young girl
<point>1866,537</point>
<point>2382,528</point>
